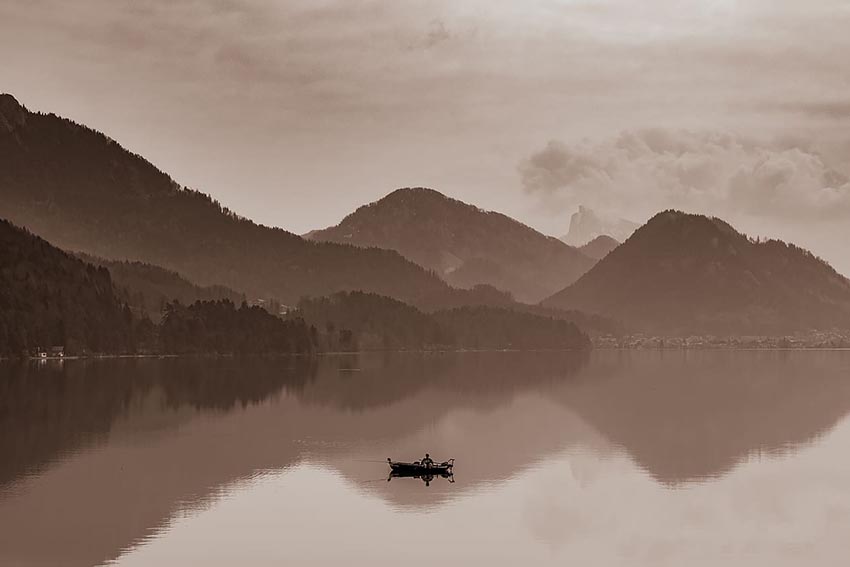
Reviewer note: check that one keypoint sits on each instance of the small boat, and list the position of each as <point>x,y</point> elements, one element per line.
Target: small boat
<point>416,468</point>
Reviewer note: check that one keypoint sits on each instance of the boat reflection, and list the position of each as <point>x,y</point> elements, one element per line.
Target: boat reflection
<point>426,477</point>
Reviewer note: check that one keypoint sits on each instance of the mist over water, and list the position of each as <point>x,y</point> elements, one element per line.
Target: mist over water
<point>602,458</point>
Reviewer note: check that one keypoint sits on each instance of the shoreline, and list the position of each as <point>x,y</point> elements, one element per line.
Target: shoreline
<point>601,348</point>
<point>723,348</point>
<point>278,355</point>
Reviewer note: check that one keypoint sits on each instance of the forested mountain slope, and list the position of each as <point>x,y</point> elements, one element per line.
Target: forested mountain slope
<point>84,192</point>
<point>50,298</point>
<point>688,274</point>
<point>148,288</point>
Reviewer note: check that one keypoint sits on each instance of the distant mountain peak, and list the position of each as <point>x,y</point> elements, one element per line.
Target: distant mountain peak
<point>679,227</point>
<point>599,247</point>
<point>12,114</point>
<point>417,196</point>
<point>463,243</point>
<point>675,215</point>
<point>416,192</point>
<point>672,217</point>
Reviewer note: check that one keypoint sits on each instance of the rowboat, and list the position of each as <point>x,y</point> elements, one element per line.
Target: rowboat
<point>416,468</point>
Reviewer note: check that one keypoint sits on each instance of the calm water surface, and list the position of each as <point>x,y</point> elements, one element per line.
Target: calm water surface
<point>612,458</point>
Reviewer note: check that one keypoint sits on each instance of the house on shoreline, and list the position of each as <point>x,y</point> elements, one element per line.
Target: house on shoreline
<point>52,352</point>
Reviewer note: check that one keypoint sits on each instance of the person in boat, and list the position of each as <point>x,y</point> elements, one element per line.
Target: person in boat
<point>427,462</point>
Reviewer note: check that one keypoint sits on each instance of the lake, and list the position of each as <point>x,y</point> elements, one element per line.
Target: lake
<point>602,458</point>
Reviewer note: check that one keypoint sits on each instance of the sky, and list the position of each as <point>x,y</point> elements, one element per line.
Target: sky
<point>293,113</point>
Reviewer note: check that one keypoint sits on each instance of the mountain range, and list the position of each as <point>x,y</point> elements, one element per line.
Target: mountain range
<point>465,245</point>
<point>689,274</point>
<point>678,274</point>
<point>49,298</point>
<point>83,192</point>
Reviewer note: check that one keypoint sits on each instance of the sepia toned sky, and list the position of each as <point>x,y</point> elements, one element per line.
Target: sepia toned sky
<point>295,112</point>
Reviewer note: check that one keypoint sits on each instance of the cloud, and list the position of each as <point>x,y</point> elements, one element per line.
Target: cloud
<point>705,171</point>
<point>555,167</point>
<point>331,103</point>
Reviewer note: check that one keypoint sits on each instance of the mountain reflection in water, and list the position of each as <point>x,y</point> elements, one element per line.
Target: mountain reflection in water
<point>102,455</point>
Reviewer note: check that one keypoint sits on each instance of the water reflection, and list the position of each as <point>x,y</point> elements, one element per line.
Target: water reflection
<point>101,455</point>
<point>694,415</point>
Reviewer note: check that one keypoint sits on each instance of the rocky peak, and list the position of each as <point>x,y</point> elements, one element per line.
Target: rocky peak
<point>587,224</point>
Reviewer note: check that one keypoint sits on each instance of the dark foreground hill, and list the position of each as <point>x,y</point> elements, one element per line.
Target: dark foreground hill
<point>462,243</point>
<point>221,327</point>
<point>50,298</point>
<point>683,274</point>
<point>83,192</point>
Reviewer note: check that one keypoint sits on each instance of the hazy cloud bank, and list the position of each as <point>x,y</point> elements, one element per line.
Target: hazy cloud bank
<point>640,172</point>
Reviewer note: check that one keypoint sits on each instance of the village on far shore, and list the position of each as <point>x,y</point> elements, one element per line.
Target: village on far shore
<point>834,339</point>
